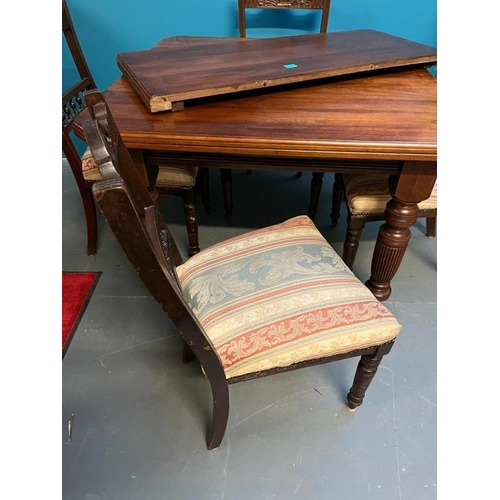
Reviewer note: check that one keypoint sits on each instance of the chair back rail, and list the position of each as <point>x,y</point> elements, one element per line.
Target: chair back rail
<point>323,5</point>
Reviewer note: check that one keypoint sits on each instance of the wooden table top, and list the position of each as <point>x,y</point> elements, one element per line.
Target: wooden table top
<point>388,116</point>
<point>175,71</point>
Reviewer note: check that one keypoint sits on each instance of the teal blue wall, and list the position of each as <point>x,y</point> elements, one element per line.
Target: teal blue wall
<point>107,27</point>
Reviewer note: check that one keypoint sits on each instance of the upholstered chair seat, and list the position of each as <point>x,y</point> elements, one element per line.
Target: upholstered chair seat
<point>279,296</point>
<point>171,179</point>
<point>369,194</point>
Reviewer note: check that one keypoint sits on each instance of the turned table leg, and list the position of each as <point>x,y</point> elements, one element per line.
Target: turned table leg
<point>413,185</point>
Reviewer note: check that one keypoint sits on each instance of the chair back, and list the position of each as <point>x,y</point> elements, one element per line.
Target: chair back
<point>139,228</point>
<point>72,98</point>
<point>322,5</point>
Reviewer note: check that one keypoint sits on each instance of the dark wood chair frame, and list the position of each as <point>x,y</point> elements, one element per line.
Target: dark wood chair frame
<point>72,105</point>
<point>150,247</point>
<point>356,222</point>
<point>226,173</point>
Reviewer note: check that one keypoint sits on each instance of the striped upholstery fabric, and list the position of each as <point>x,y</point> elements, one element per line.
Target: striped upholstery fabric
<point>369,194</point>
<point>170,176</point>
<point>281,295</point>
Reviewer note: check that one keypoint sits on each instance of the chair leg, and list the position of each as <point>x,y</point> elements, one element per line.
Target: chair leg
<point>337,195</point>
<point>203,186</point>
<point>367,367</point>
<point>91,218</point>
<point>220,394</point>
<point>353,235</point>
<point>227,191</point>
<point>431,227</point>
<point>316,184</point>
<point>191,222</point>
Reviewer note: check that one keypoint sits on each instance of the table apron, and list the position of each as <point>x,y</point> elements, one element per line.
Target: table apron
<point>273,163</point>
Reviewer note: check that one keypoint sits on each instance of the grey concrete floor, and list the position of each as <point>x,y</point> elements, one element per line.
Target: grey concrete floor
<point>140,415</point>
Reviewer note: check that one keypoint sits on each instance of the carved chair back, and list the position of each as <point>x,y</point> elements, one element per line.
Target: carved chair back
<point>322,5</point>
<point>139,228</point>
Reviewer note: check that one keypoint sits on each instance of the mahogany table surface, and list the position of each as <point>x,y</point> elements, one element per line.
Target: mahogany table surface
<point>171,72</point>
<point>379,117</point>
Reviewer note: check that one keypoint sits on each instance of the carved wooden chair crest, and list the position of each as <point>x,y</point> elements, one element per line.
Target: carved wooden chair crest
<point>268,301</point>
<point>321,5</point>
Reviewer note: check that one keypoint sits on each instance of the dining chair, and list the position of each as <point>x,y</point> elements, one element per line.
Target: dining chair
<point>267,301</point>
<point>297,5</point>
<point>366,197</point>
<point>172,180</point>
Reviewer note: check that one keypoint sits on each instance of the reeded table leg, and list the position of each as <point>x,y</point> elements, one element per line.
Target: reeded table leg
<point>413,185</point>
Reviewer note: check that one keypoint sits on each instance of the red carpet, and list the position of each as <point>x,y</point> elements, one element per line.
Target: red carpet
<point>77,288</point>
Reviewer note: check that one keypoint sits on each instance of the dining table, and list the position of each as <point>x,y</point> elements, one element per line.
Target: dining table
<point>383,121</point>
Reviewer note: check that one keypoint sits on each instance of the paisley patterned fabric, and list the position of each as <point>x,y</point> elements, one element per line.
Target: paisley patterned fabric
<point>170,176</point>
<point>281,295</point>
<point>367,194</point>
